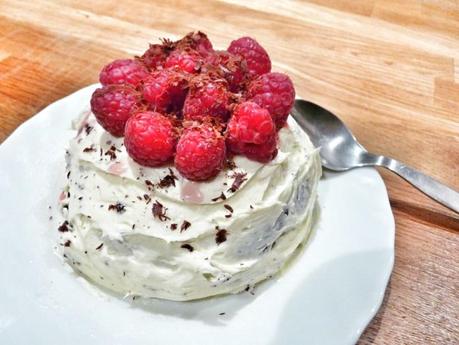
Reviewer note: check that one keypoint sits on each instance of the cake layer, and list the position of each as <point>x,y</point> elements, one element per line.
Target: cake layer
<point>150,232</point>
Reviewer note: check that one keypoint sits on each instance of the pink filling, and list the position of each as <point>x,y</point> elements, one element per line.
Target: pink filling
<point>116,168</point>
<point>190,192</point>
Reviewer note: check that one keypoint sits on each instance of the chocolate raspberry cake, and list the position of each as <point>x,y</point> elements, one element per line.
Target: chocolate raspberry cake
<point>186,177</point>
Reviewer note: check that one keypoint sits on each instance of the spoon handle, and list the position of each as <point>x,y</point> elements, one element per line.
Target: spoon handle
<point>431,187</point>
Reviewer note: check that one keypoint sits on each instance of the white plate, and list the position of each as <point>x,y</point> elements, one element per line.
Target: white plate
<point>327,296</point>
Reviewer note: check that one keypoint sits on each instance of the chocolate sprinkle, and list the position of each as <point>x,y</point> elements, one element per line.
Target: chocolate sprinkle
<point>118,207</point>
<point>220,197</point>
<point>159,211</point>
<point>173,226</point>
<point>220,237</point>
<point>67,243</point>
<point>185,225</point>
<point>187,246</point>
<point>168,180</point>
<point>63,227</point>
<point>239,179</point>
<point>99,247</point>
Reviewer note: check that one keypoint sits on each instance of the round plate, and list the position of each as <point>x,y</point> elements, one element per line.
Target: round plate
<point>327,296</point>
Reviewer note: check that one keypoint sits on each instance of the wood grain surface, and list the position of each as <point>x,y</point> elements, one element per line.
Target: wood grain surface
<point>389,69</point>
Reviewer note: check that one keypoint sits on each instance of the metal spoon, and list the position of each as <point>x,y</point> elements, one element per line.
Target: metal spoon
<point>340,151</point>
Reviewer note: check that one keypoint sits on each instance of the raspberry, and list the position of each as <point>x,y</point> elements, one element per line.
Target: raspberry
<point>188,61</point>
<point>165,90</point>
<point>113,105</point>
<point>263,153</point>
<point>231,67</point>
<point>275,93</point>
<point>197,41</point>
<point>200,153</point>
<point>252,132</point>
<point>124,71</point>
<point>257,58</point>
<point>207,99</point>
<point>150,138</point>
<point>155,56</point>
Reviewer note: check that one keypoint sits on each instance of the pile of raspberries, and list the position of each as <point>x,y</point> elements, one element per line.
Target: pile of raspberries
<point>185,102</point>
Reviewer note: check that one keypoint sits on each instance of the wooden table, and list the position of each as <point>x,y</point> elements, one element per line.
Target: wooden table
<point>390,69</point>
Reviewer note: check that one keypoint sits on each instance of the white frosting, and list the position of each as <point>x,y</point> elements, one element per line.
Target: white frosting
<point>142,255</point>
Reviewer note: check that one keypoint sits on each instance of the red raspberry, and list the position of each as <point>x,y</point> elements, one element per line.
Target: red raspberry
<point>150,138</point>
<point>257,58</point>
<point>197,41</point>
<point>165,90</point>
<point>155,56</point>
<point>207,99</point>
<point>200,153</point>
<point>188,61</point>
<point>252,132</point>
<point>124,71</point>
<point>113,105</point>
<point>275,93</point>
<point>231,67</point>
<point>263,153</point>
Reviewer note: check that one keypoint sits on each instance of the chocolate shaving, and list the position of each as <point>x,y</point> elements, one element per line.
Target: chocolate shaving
<point>67,243</point>
<point>159,211</point>
<point>118,207</point>
<point>149,184</point>
<point>185,225</point>
<point>111,152</point>
<point>90,149</point>
<point>220,197</point>
<point>168,180</point>
<point>239,179</point>
<point>68,175</point>
<point>88,129</point>
<point>63,227</point>
<point>173,226</point>
<point>228,207</point>
<point>220,237</point>
<point>230,164</point>
<point>147,198</point>
<point>187,246</point>
<point>99,247</point>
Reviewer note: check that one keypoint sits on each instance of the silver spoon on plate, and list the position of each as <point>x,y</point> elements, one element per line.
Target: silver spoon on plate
<point>340,151</point>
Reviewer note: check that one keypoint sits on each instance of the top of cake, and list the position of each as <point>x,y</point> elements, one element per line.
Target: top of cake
<point>185,103</point>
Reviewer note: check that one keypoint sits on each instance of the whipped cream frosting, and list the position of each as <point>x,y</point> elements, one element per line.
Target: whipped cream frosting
<point>152,233</point>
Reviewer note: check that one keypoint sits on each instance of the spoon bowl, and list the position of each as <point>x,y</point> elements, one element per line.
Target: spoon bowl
<point>340,151</point>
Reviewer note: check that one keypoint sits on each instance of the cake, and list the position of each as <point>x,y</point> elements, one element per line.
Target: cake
<point>208,188</point>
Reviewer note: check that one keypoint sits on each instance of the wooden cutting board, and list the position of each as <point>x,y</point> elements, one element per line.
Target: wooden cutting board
<point>389,69</point>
